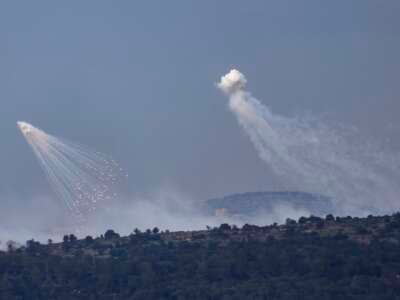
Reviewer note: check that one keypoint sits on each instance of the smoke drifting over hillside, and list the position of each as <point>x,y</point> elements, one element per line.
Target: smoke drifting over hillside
<point>166,208</point>
<point>311,155</point>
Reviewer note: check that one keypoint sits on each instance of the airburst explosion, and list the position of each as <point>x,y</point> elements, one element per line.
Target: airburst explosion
<point>311,155</point>
<point>82,178</point>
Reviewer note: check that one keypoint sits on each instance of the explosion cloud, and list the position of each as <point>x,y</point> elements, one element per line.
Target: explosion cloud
<point>310,155</point>
<point>82,178</point>
<point>232,82</point>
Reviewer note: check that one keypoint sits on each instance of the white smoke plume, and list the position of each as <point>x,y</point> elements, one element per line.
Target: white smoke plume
<point>232,82</point>
<point>166,208</point>
<point>310,155</point>
<point>81,178</point>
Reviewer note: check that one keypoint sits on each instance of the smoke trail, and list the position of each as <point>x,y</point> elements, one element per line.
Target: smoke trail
<point>82,178</point>
<point>310,155</point>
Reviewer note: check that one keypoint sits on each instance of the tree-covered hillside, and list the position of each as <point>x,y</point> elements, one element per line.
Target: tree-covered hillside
<point>312,258</point>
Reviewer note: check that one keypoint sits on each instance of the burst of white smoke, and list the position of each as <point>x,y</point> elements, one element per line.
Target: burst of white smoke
<point>311,155</point>
<point>82,178</point>
<point>232,82</point>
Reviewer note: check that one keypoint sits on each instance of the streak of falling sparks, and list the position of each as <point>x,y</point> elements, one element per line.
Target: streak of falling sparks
<point>81,177</point>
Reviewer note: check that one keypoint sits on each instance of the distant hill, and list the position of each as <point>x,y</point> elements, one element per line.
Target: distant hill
<point>248,205</point>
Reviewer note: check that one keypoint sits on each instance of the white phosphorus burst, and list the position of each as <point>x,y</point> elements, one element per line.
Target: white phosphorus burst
<point>308,153</point>
<point>81,177</point>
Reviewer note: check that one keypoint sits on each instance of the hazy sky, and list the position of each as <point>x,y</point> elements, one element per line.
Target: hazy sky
<point>137,80</point>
